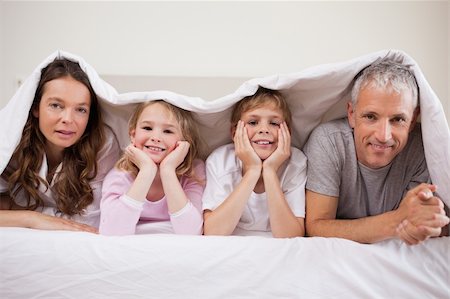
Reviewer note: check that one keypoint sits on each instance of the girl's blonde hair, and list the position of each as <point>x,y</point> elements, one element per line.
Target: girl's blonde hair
<point>263,96</point>
<point>189,131</point>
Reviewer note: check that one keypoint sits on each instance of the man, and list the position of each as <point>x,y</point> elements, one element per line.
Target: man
<point>367,176</point>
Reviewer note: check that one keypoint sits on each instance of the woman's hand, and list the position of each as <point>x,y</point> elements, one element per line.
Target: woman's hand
<point>36,220</point>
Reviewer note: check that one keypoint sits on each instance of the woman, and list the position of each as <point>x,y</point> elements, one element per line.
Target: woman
<point>64,153</point>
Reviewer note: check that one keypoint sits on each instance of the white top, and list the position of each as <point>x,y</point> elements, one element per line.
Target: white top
<point>224,172</point>
<point>106,158</point>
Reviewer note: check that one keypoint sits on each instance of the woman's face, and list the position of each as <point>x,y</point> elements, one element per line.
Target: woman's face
<point>63,113</point>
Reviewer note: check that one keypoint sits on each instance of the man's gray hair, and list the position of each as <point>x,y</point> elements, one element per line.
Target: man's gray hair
<point>386,73</point>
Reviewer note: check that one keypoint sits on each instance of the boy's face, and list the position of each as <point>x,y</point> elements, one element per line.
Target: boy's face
<point>262,125</point>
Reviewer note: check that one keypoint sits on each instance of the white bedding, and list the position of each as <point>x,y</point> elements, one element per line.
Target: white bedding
<point>42,264</point>
<point>56,264</point>
<point>314,95</point>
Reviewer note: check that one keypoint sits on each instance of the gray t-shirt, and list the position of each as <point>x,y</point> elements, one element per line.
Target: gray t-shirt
<point>333,170</point>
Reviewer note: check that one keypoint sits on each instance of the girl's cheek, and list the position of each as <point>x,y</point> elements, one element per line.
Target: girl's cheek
<point>172,147</point>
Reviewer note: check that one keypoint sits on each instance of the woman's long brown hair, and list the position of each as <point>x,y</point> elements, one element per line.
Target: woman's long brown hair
<point>72,191</point>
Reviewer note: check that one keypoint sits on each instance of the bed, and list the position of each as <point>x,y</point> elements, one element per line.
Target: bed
<point>59,264</point>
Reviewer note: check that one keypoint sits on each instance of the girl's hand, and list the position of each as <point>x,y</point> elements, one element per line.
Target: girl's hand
<point>176,157</point>
<point>283,151</point>
<point>140,158</point>
<point>243,148</point>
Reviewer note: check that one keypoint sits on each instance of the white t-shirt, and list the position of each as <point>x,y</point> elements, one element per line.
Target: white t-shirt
<point>224,172</point>
<point>106,158</point>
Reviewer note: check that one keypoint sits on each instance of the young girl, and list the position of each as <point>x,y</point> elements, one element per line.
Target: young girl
<point>63,155</point>
<point>258,183</point>
<point>159,178</point>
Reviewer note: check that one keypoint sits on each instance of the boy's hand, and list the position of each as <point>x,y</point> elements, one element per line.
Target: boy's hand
<point>243,148</point>
<point>176,157</point>
<point>283,151</point>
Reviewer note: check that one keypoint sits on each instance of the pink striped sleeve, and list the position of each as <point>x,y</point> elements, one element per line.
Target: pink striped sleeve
<point>119,213</point>
<point>189,220</point>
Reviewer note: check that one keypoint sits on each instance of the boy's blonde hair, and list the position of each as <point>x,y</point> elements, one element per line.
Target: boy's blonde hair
<point>263,96</point>
<point>189,131</point>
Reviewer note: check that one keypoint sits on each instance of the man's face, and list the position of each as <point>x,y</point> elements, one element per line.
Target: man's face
<point>382,120</point>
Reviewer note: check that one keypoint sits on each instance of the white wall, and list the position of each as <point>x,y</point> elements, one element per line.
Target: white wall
<point>239,39</point>
<point>3,91</point>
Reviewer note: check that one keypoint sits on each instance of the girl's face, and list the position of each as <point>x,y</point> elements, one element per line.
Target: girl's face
<point>262,125</point>
<point>156,132</point>
<point>63,113</point>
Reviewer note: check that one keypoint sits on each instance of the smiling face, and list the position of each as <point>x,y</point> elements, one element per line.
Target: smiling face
<point>63,113</point>
<point>156,132</point>
<point>262,125</point>
<point>382,120</point>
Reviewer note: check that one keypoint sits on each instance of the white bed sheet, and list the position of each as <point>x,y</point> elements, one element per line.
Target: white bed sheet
<point>59,264</point>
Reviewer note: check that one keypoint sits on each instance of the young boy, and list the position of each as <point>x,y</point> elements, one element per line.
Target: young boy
<point>256,183</point>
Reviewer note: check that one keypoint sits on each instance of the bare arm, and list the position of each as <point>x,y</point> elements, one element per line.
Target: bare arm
<point>20,217</point>
<point>321,221</point>
<point>321,214</point>
<point>283,222</point>
<point>36,220</point>
<point>147,172</point>
<point>223,220</point>
<point>176,197</point>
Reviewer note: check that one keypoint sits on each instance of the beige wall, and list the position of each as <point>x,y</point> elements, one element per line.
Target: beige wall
<point>4,94</point>
<point>236,39</point>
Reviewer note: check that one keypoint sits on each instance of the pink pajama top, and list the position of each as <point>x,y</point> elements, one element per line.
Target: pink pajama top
<point>121,213</point>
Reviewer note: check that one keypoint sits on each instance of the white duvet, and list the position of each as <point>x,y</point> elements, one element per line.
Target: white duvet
<point>314,95</point>
<point>57,264</point>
